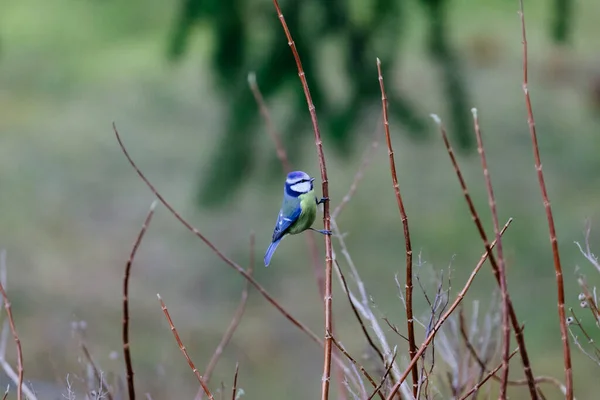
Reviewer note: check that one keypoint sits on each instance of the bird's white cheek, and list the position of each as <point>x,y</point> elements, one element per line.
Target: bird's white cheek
<point>301,187</point>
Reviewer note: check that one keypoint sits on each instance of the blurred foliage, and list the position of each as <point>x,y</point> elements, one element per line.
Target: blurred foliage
<point>562,22</point>
<point>248,37</point>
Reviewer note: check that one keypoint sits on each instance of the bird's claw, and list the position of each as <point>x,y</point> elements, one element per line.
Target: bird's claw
<point>323,200</point>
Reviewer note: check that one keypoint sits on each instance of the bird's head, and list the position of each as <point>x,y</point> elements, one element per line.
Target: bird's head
<point>298,183</point>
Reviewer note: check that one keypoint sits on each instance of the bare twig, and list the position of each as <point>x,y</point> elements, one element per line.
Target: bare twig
<point>357,314</point>
<point>126,346</point>
<point>475,216</point>
<point>353,361</point>
<point>88,356</point>
<point>366,160</point>
<point>11,322</point>
<point>235,378</point>
<point>6,392</point>
<point>237,317</point>
<point>501,269</point>
<point>183,349</point>
<point>486,378</point>
<point>385,375</point>
<point>326,219</point>
<point>552,230</point>
<point>412,347</point>
<point>444,317</point>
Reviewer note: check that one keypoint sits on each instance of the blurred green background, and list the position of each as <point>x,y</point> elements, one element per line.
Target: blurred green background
<point>71,205</point>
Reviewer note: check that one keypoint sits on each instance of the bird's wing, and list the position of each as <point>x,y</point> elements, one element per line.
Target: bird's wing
<point>289,213</point>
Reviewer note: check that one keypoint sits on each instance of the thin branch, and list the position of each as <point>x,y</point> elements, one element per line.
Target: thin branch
<point>326,220</point>
<point>235,378</point>
<point>237,317</point>
<point>357,314</point>
<point>552,230</point>
<point>126,346</point>
<point>444,317</point>
<point>412,347</point>
<point>353,361</point>
<point>183,349</point>
<point>486,378</point>
<point>366,160</point>
<point>475,216</point>
<point>215,250</point>
<point>88,356</point>
<point>501,268</point>
<point>4,337</point>
<point>385,375</point>
<point>271,130</point>
<point>11,322</point>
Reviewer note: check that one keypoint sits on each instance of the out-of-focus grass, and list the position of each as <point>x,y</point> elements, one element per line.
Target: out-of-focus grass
<point>71,205</point>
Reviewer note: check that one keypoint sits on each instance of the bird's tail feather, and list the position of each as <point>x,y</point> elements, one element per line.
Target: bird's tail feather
<point>271,251</point>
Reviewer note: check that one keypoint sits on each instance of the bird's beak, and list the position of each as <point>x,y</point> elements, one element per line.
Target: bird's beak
<point>312,179</point>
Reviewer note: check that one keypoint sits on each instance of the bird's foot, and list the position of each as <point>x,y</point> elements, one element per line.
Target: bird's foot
<point>323,200</point>
<point>323,231</point>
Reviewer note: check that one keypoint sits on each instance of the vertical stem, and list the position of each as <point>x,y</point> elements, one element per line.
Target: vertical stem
<point>552,230</point>
<point>408,285</point>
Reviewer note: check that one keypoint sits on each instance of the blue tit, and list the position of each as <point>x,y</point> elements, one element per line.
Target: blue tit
<point>298,210</point>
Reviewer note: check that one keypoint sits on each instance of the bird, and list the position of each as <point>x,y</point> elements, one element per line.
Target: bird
<point>298,210</point>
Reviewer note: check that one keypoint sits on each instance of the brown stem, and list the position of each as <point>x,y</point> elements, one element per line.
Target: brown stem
<point>11,322</point>
<point>552,230</point>
<point>235,321</point>
<point>326,220</point>
<point>486,378</point>
<point>126,347</point>
<point>359,366</point>
<point>385,375</point>
<point>412,347</point>
<point>501,267</point>
<point>235,378</point>
<point>444,317</point>
<point>183,349</point>
<point>475,216</point>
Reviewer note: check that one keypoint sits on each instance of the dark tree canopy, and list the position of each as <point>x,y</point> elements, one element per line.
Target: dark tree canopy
<point>248,37</point>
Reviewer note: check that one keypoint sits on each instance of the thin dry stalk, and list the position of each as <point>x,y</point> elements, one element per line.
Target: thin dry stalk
<point>357,364</point>
<point>475,216</point>
<point>520,382</point>
<point>126,346</point>
<point>326,219</point>
<point>6,392</point>
<point>501,268</point>
<point>11,322</point>
<point>552,230</point>
<point>357,314</point>
<point>366,160</point>
<point>235,378</point>
<point>385,375</point>
<point>486,378</point>
<point>444,317</point>
<point>215,250</point>
<point>95,370</point>
<point>183,349</point>
<point>408,286</point>
<point>318,269</point>
<point>237,317</point>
